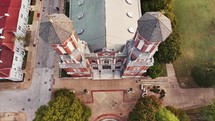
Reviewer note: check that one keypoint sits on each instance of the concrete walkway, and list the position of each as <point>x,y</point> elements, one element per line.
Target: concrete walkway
<point>185,98</point>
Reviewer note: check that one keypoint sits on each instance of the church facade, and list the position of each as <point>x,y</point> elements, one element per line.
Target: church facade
<point>106,46</point>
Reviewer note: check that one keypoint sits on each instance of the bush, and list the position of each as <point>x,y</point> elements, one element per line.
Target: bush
<point>165,115</point>
<point>179,113</point>
<point>208,113</point>
<point>155,70</point>
<point>204,75</point>
<point>169,50</point>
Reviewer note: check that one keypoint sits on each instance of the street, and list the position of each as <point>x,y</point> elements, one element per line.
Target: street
<point>39,93</point>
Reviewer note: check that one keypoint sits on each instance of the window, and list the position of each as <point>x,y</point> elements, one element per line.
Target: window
<point>80,31</point>
<point>129,14</point>
<point>93,61</point>
<point>81,2</point>
<point>21,15</point>
<point>129,2</point>
<point>19,27</point>
<point>16,58</point>
<point>80,15</point>
<point>106,61</point>
<point>17,49</point>
<point>23,53</point>
<point>131,30</point>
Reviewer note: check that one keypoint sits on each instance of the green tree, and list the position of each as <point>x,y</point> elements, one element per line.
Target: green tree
<point>145,109</point>
<point>169,50</point>
<point>64,107</point>
<point>204,75</point>
<point>165,115</point>
<point>179,113</point>
<point>208,113</point>
<point>155,70</point>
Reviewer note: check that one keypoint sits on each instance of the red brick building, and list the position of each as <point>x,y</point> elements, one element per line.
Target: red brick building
<point>131,60</point>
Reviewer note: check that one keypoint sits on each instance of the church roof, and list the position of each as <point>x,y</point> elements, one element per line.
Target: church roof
<point>106,23</point>
<point>57,28</point>
<point>154,26</point>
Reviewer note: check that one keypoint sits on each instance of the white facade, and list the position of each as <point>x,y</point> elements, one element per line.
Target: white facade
<point>23,18</point>
<point>16,72</point>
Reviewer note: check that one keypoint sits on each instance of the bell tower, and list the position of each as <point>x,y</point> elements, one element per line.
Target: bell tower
<point>153,28</point>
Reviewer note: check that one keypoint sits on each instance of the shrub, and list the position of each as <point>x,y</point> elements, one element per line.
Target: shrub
<point>204,75</point>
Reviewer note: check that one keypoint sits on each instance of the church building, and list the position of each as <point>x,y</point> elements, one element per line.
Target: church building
<point>105,39</point>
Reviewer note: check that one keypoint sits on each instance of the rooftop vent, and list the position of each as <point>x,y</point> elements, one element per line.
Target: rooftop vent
<point>2,37</point>
<point>81,2</point>
<point>131,30</point>
<point>129,2</point>
<point>80,15</point>
<point>6,14</point>
<point>129,14</point>
<point>1,31</point>
<point>80,31</point>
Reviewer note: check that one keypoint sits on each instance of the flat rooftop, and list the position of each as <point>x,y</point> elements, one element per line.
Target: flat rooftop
<point>105,23</point>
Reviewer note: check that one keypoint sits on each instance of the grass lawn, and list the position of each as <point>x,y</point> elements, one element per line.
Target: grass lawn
<point>194,22</point>
<point>164,73</point>
<point>31,17</point>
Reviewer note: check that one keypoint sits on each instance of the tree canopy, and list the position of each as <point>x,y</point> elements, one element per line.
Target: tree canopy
<point>64,107</point>
<point>165,115</point>
<point>204,75</point>
<point>155,70</point>
<point>145,109</point>
<point>179,113</point>
<point>149,108</point>
<point>208,112</point>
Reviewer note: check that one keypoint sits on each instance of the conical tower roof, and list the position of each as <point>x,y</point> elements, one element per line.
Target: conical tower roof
<point>57,28</point>
<point>154,26</point>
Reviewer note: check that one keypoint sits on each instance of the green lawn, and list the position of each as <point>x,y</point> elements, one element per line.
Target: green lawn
<point>194,22</point>
<point>31,17</point>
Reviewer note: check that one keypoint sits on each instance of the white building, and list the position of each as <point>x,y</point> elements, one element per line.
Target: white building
<point>13,24</point>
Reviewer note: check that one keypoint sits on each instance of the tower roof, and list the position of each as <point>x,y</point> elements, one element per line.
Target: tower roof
<point>57,28</point>
<point>154,26</point>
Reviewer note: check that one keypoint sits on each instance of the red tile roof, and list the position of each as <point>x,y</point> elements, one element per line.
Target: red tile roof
<point>9,25</point>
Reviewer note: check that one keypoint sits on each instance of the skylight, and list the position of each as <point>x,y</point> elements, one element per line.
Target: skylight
<point>81,2</point>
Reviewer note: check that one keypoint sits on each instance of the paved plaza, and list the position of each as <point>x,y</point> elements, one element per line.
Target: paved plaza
<point>109,98</point>
<point>106,98</point>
